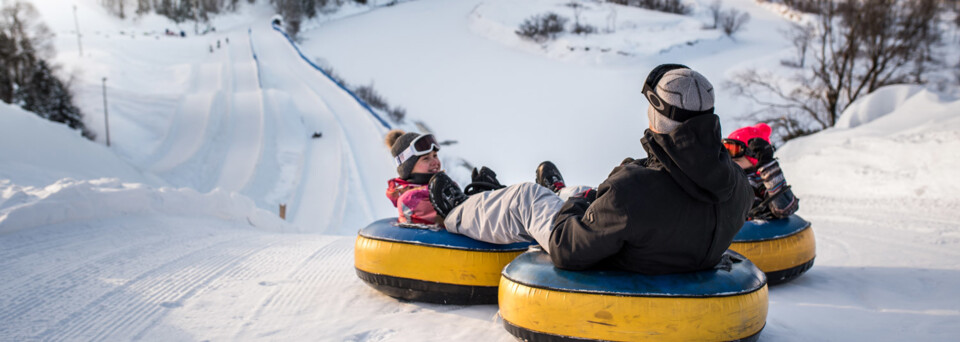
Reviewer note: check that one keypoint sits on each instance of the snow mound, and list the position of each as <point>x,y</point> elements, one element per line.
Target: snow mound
<point>621,31</point>
<point>901,144</point>
<point>881,102</point>
<point>70,200</point>
<point>38,152</point>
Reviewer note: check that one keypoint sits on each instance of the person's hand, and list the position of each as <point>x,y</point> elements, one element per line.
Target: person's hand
<point>486,175</point>
<point>484,179</point>
<point>761,149</point>
<point>589,195</point>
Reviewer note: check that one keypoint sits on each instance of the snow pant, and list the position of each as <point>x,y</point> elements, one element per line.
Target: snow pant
<point>518,213</point>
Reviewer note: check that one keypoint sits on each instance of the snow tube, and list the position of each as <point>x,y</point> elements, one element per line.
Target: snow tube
<point>430,266</point>
<point>539,302</point>
<point>783,249</point>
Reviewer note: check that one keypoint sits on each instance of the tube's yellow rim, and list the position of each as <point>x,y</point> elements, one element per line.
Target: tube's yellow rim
<point>614,318</point>
<point>779,254</point>
<point>442,265</point>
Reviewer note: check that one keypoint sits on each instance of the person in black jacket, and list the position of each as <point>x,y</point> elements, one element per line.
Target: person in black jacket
<point>675,211</point>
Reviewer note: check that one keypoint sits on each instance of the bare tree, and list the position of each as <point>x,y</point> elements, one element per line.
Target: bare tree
<point>612,20</point>
<point>732,21</point>
<point>857,47</point>
<point>800,35</point>
<point>579,28</point>
<point>715,10</point>
<point>542,27</point>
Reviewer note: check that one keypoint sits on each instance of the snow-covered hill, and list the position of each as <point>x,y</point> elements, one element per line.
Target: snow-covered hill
<point>172,232</point>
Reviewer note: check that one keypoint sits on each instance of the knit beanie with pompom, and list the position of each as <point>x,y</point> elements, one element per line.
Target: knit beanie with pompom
<point>398,141</point>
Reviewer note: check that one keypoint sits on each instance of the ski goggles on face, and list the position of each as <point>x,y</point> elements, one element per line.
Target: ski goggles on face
<point>735,148</point>
<point>649,91</point>
<point>421,145</point>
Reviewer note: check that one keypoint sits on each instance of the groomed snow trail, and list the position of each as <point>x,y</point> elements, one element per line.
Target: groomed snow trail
<point>245,125</point>
<point>348,166</point>
<point>178,278</point>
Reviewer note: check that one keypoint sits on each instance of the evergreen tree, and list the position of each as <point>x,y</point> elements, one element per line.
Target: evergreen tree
<point>48,97</point>
<point>309,8</point>
<point>26,79</point>
<point>7,50</point>
<point>143,7</point>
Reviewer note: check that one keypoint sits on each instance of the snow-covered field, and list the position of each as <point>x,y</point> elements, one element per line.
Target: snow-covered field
<point>172,232</point>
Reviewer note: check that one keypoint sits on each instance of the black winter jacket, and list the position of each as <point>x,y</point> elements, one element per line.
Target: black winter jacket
<point>675,211</point>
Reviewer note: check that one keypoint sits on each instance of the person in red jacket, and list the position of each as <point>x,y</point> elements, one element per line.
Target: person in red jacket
<point>750,148</point>
<point>417,161</point>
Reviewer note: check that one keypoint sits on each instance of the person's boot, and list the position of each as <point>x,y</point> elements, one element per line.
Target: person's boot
<point>549,177</point>
<point>445,194</point>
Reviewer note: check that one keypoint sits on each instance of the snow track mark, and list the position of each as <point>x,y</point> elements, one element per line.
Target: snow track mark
<point>301,290</point>
<point>134,307</point>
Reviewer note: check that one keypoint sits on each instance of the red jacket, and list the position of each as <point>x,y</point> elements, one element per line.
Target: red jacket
<point>412,202</point>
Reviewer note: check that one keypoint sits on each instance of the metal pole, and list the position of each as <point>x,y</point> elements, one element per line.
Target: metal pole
<point>196,19</point>
<point>77,24</point>
<point>106,118</point>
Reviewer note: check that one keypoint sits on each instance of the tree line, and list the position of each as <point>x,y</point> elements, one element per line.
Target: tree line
<point>27,79</point>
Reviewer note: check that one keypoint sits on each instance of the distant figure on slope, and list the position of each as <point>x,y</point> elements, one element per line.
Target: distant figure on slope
<point>675,211</point>
<point>418,161</point>
<point>750,148</point>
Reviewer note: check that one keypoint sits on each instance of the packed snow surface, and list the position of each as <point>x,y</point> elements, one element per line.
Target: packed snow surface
<point>172,232</point>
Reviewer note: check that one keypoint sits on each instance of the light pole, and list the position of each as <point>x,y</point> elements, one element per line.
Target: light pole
<point>77,24</point>
<point>196,20</point>
<point>106,118</point>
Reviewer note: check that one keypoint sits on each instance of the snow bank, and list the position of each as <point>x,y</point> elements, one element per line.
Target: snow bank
<point>69,200</point>
<point>38,152</point>
<point>881,102</point>
<point>898,142</point>
<point>50,174</point>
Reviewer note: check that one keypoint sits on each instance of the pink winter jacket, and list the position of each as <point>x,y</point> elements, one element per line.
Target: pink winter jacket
<point>412,202</point>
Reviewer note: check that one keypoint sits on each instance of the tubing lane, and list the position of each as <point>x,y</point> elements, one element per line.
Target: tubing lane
<point>320,188</point>
<point>366,160</point>
<point>187,130</point>
<point>246,126</point>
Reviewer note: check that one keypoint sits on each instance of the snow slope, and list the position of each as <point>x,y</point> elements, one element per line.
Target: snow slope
<point>201,112</point>
<point>171,233</point>
<point>459,59</point>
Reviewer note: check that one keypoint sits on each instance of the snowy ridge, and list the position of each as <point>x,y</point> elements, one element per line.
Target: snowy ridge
<point>69,200</point>
<point>898,142</point>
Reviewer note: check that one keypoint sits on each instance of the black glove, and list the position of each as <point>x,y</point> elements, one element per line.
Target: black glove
<point>589,195</point>
<point>483,180</point>
<point>762,150</point>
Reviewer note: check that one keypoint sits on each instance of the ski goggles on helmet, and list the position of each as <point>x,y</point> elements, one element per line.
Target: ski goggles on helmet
<point>649,91</point>
<point>736,148</point>
<point>421,145</point>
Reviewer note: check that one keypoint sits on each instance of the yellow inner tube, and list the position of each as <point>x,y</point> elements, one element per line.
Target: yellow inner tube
<point>779,254</point>
<point>436,264</point>
<point>616,318</point>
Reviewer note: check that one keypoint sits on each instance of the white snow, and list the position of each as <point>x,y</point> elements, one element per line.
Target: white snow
<point>172,232</point>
